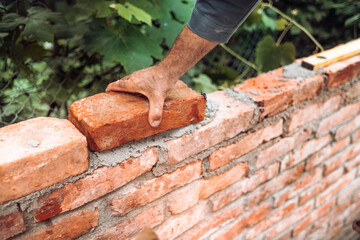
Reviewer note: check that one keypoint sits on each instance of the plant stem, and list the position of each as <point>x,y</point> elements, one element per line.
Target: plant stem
<point>295,23</point>
<point>239,57</point>
<point>287,28</point>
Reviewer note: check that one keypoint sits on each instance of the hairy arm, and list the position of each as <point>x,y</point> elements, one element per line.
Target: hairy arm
<point>155,82</point>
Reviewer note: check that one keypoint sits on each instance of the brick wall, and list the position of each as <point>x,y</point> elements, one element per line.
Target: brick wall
<point>277,157</point>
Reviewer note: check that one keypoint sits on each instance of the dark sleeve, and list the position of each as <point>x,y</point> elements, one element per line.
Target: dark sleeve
<point>217,20</point>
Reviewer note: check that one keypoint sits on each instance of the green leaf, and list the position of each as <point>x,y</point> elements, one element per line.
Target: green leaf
<point>350,21</point>
<point>132,49</point>
<point>127,11</point>
<point>10,21</point>
<point>281,24</point>
<point>2,35</point>
<point>269,56</point>
<point>168,30</point>
<point>268,22</point>
<point>101,7</point>
<point>203,84</point>
<point>254,18</point>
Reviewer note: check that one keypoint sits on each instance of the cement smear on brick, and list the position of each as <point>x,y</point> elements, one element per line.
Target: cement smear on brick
<point>296,71</point>
<point>242,96</point>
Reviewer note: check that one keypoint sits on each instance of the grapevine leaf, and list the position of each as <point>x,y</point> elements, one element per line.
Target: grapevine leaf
<point>281,24</point>
<point>123,11</point>
<point>269,56</point>
<point>10,21</point>
<point>99,6</point>
<point>132,49</point>
<point>37,25</point>
<point>203,84</point>
<point>268,21</point>
<point>128,11</point>
<point>168,30</point>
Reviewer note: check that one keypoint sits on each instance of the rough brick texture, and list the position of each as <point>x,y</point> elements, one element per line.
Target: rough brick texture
<point>102,181</point>
<point>38,153</point>
<point>11,223</point>
<point>233,117</point>
<point>70,227</point>
<point>282,165</point>
<point>155,188</point>
<point>275,94</point>
<point>147,219</point>
<point>111,119</point>
<point>226,154</point>
<point>343,71</point>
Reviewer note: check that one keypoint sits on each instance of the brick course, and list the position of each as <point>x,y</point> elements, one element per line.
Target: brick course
<point>278,161</point>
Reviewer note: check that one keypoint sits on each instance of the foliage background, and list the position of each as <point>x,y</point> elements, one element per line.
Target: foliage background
<point>55,52</point>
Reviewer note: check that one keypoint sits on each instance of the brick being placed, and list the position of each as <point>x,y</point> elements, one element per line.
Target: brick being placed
<point>111,119</point>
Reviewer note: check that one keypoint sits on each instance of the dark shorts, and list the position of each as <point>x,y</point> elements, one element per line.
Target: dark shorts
<point>217,20</point>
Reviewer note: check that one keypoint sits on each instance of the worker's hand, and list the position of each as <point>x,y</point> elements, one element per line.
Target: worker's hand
<point>153,82</point>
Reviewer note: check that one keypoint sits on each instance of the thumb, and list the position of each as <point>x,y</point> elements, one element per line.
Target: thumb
<point>156,110</point>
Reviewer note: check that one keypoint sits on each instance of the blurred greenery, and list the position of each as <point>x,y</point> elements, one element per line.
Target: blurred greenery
<point>55,52</point>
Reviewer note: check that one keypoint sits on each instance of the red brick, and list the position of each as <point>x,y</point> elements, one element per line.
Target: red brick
<point>319,187</point>
<point>224,197</point>
<point>281,147</point>
<point>353,92</point>
<point>348,191</point>
<point>334,232</point>
<point>352,163</point>
<point>301,184</point>
<point>219,182</point>
<point>307,89</point>
<point>228,153</point>
<point>184,198</point>
<point>343,71</point>
<point>317,213</point>
<point>339,159</point>
<point>332,218</point>
<point>326,152</point>
<point>178,224</point>
<point>313,111</point>
<point>249,220</point>
<point>155,188</point>
<point>70,227</point>
<point>274,185</point>
<point>356,135</point>
<point>101,181</point>
<point>231,118</point>
<point>202,229</point>
<point>304,151</point>
<point>331,191</point>
<point>347,128</point>
<point>149,218</point>
<point>338,117</point>
<point>111,119</point>
<point>38,153</point>
<point>11,223</point>
<point>289,221</point>
<point>286,235</point>
<point>270,220</point>
<point>276,94</point>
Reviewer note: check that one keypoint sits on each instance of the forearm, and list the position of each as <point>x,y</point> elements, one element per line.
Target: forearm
<point>187,50</point>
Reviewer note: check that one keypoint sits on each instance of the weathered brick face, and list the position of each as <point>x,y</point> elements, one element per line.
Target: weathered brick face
<point>283,162</point>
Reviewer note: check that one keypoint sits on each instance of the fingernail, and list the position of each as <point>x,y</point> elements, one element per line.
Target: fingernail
<point>155,123</point>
